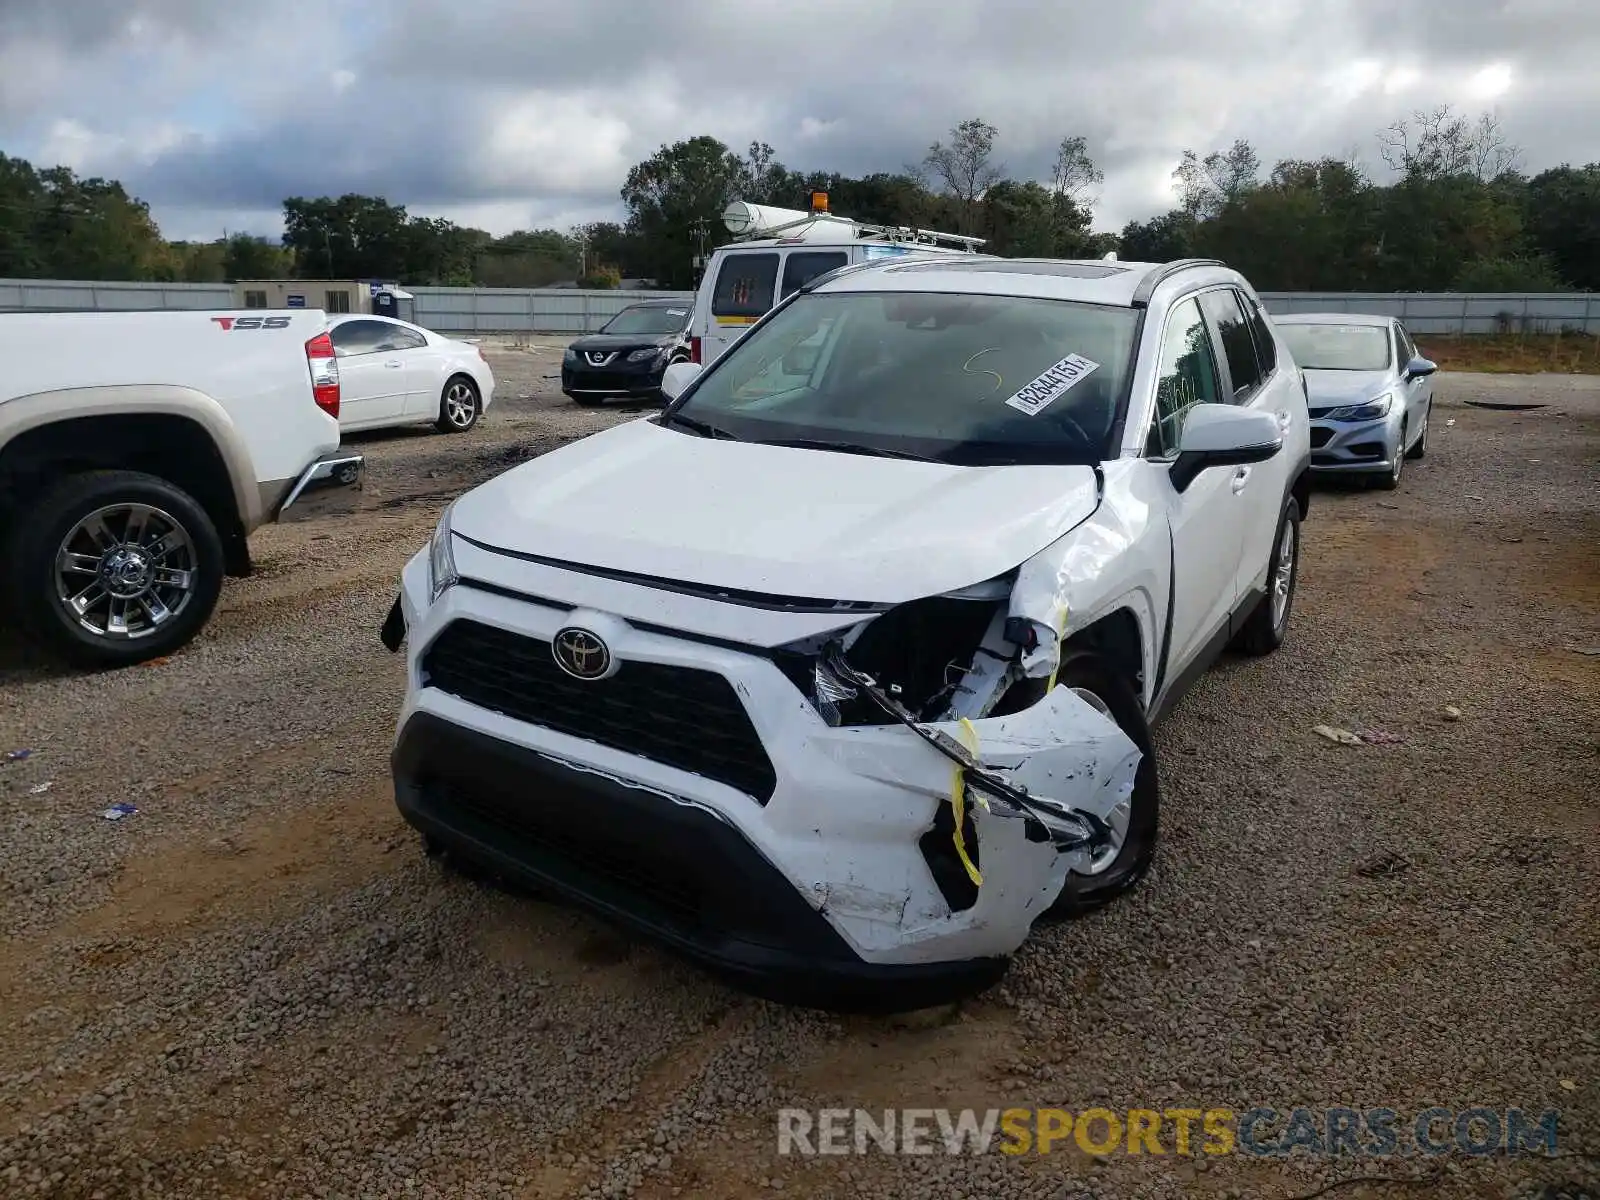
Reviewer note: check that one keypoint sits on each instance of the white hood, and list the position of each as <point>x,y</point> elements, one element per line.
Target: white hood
<point>806,523</point>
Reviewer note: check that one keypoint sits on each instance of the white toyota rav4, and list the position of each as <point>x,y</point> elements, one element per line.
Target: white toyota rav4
<point>838,673</point>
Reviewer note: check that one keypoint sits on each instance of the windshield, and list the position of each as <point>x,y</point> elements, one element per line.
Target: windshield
<point>1337,347</point>
<point>649,320</point>
<point>963,379</point>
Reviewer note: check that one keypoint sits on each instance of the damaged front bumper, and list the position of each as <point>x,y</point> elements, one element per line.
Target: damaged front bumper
<point>837,887</point>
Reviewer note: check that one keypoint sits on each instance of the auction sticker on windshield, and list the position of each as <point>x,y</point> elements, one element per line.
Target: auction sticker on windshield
<point>1052,384</point>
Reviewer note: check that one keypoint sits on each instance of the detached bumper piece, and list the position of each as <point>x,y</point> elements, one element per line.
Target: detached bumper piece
<point>330,486</point>
<point>662,866</point>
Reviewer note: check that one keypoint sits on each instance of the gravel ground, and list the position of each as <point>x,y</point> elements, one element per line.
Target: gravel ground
<point>258,986</point>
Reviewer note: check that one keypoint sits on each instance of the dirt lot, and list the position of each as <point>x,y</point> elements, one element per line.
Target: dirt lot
<point>258,986</point>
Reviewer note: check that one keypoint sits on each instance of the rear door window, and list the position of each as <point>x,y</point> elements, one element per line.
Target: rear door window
<point>1238,347</point>
<point>358,337</point>
<point>744,285</point>
<point>802,266</point>
<point>1266,348</point>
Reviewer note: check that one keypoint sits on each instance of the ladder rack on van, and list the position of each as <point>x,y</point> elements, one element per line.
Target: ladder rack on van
<point>820,217</point>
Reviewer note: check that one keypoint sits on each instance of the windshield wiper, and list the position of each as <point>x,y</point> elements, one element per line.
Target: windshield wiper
<point>848,448</point>
<point>694,425</point>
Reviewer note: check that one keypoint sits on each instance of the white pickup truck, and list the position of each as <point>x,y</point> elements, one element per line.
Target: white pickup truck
<point>137,453</point>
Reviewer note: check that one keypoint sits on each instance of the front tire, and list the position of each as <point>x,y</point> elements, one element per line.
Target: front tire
<point>459,405</point>
<point>1268,624</point>
<point>112,568</point>
<point>1387,481</point>
<point>1101,684</point>
<point>1420,450</point>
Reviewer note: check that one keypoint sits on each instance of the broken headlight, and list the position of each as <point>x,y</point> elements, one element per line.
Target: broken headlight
<point>920,653</point>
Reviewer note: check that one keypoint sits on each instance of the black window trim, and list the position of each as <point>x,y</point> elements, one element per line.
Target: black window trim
<point>1235,397</point>
<point>1254,308</point>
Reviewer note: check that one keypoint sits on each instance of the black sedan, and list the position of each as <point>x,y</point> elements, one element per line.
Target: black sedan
<point>629,354</point>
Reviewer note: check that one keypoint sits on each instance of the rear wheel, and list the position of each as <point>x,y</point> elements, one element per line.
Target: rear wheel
<point>459,406</point>
<point>113,568</point>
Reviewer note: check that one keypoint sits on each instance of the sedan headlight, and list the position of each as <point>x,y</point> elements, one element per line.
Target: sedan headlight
<point>441,558</point>
<point>1370,411</point>
<point>646,354</point>
<point>569,355</point>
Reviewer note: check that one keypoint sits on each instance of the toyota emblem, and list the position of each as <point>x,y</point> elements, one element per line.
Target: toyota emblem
<point>581,654</point>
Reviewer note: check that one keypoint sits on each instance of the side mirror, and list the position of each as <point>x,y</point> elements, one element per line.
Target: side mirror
<point>1419,367</point>
<point>1220,435</point>
<point>677,377</point>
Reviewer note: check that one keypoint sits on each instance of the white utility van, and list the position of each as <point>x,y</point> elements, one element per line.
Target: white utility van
<point>776,251</point>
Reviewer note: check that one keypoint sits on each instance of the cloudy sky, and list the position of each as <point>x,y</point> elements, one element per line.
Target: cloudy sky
<point>509,114</point>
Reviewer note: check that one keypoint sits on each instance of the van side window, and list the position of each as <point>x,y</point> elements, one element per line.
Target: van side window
<point>744,285</point>
<point>802,266</point>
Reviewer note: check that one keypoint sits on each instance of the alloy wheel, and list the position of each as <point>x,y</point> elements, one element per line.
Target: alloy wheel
<point>460,405</point>
<point>125,571</point>
<point>1283,573</point>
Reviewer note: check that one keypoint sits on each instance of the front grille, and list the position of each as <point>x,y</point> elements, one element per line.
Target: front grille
<point>681,716</point>
<point>1320,436</point>
<point>1325,460</point>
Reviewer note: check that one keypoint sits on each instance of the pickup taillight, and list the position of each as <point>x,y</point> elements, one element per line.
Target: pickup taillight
<point>324,374</point>
<point>694,349</point>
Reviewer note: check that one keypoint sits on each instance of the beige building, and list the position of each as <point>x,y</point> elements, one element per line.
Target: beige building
<point>330,295</point>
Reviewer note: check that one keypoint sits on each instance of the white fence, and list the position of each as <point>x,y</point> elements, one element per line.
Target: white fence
<point>569,310</point>
<point>71,295</point>
<point>521,310</point>
<point>1457,312</point>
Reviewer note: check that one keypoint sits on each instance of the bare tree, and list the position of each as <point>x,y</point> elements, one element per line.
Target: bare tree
<point>966,167</point>
<point>759,176</point>
<point>1440,143</point>
<point>1075,172</point>
<point>1206,185</point>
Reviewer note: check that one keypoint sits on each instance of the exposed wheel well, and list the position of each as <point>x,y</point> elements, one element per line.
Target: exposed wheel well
<point>1116,638</point>
<point>170,447</point>
<point>1300,489</point>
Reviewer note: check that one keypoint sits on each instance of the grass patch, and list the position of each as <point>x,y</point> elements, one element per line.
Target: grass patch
<point>1521,353</point>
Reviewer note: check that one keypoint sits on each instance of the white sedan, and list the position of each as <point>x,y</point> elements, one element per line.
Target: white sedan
<point>395,373</point>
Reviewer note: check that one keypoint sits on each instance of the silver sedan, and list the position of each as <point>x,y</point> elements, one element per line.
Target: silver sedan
<point>1370,392</point>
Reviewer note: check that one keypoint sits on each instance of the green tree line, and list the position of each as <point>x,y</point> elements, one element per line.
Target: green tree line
<point>1457,214</point>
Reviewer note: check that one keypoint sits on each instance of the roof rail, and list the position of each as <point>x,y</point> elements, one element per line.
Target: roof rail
<point>892,233</point>
<point>1165,271</point>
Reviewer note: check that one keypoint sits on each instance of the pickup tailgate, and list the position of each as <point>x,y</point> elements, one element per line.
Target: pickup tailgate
<point>252,362</point>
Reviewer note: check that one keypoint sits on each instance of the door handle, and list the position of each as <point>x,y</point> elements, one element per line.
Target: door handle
<point>394,364</point>
<point>1240,478</point>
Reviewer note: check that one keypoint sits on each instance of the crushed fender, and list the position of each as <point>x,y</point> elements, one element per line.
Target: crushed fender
<point>1061,767</point>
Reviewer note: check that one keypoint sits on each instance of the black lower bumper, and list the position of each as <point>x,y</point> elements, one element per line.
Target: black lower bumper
<point>670,870</point>
<point>611,383</point>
